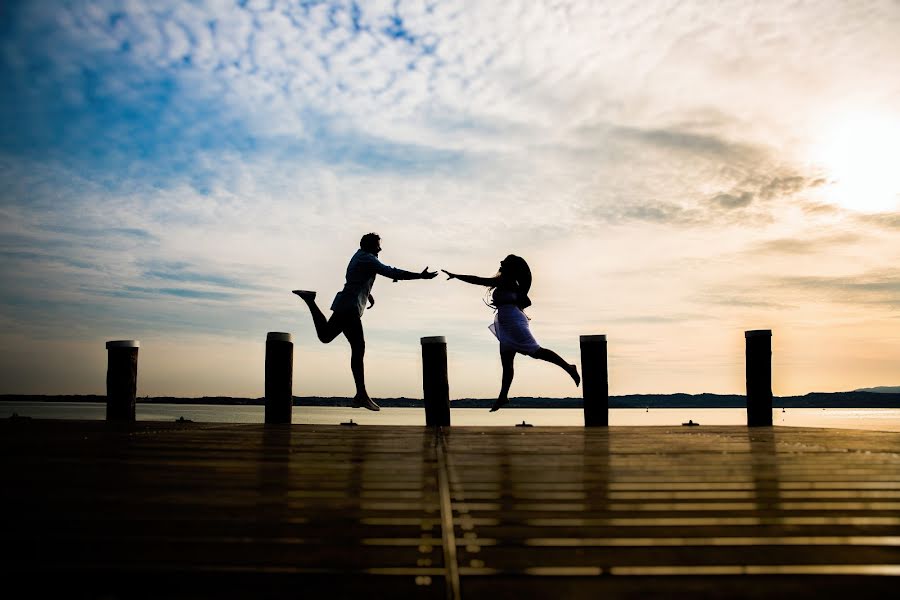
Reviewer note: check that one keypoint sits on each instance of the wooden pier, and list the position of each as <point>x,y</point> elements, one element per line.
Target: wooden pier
<point>187,510</point>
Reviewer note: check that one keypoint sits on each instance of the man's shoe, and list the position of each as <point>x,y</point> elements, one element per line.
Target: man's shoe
<point>499,403</point>
<point>305,294</point>
<point>365,402</point>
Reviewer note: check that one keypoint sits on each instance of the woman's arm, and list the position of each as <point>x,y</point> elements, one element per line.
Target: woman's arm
<point>474,279</point>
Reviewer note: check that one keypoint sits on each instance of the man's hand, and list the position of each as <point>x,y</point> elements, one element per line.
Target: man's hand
<point>426,274</point>
<point>449,274</point>
<point>371,302</point>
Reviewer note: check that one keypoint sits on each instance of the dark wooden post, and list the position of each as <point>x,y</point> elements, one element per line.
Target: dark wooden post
<point>279,377</point>
<point>121,379</point>
<point>759,377</point>
<point>594,380</point>
<point>435,384</point>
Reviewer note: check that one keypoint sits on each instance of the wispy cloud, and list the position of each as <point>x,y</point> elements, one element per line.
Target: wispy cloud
<point>884,220</point>
<point>805,245</point>
<point>182,272</point>
<point>870,288</point>
<point>145,292</point>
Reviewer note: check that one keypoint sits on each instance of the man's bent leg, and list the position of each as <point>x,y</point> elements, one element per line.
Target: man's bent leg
<point>326,330</point>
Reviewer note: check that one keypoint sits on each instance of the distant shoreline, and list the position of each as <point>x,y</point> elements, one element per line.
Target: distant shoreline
<point>812,400</point>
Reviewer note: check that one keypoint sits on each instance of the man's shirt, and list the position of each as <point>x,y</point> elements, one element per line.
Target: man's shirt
<point>361,272</point>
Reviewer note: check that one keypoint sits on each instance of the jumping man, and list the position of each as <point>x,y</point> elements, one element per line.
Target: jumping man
<point>349,305</point>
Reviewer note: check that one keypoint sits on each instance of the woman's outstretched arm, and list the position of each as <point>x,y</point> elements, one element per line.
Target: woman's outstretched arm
<point>474,279</point>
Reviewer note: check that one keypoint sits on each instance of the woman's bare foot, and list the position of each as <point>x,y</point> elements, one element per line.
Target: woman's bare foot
<point>499,403</point>
<point>305,294</point>
<point>573,372</point>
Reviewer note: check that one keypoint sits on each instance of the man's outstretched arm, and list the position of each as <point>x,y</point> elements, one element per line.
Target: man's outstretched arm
<point>399,274</point>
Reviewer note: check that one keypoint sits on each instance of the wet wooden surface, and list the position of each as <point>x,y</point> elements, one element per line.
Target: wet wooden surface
<point>221,510</point>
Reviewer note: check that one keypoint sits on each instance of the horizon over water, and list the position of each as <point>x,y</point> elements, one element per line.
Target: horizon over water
<point>844,418</point>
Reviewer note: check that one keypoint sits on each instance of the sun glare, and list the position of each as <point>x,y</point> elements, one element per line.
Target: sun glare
<point>861,159</point>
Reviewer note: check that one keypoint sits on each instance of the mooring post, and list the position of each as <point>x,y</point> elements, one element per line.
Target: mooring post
<point>121,379</point>
<point>759,377</point>
<point>594,380</point>
<point>435,384</point>
<point>279,377</point>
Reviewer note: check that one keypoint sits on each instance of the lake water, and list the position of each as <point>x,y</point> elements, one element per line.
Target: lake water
<point>845,418</point>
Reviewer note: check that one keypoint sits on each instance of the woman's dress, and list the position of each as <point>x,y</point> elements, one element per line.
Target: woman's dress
<point>511,325</point>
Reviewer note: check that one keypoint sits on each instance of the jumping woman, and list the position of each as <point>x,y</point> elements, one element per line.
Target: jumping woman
<point>510,299</point>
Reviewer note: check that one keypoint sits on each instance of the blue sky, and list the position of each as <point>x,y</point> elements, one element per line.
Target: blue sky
<point>671,170</point>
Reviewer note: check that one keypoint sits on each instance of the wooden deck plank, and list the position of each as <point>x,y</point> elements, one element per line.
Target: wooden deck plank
<point>230,510</point>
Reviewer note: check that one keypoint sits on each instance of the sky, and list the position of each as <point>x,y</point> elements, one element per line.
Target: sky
<point>675,173</point>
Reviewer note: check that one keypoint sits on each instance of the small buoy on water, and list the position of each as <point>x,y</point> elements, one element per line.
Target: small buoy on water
<point>524,424</point>
<point>350,423</point>
<point>691,423</point>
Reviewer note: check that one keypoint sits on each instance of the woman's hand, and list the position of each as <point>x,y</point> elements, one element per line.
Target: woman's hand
<point>449,274</point>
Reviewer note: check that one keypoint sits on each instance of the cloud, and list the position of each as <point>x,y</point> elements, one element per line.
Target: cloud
<point>182,272</point>
<point>880,288</point>
<point>786,186</point>
<point>883,220</point>
<point>866,291</point>
<point>143,92</point>
<point>741,302</point>
<point>658,319</point>
<point>801,245</point>
<point>687,142</point>
<point>683,177</point>
<point>145,292</point>
<point>765,187</point>
<point>665,213</point>
<point>820,208</point>
<point>775,188</point>
<point>407,87</point>
<point>729,201</point>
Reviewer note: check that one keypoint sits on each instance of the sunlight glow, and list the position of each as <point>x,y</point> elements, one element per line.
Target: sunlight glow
<point>861,158</point>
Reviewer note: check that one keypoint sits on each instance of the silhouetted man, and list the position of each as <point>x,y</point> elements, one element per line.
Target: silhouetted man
<point>350,303</point>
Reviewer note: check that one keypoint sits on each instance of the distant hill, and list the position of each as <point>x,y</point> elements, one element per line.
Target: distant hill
<point>882,389</point>
<point>854,399</point>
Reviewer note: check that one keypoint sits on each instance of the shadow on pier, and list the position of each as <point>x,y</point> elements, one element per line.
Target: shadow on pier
<point>105,509</point>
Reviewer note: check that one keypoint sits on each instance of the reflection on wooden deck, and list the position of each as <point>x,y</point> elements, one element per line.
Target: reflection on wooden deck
<point>213,510</point>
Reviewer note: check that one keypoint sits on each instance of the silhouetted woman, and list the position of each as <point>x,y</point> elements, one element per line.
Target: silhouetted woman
<point>510,299</point>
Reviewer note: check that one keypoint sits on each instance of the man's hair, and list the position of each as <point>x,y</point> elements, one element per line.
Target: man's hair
<point>369,242</point>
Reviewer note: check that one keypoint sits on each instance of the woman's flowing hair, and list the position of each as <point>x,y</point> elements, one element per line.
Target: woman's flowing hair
<point>516,275</point>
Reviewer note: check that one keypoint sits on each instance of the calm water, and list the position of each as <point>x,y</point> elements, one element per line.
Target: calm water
<point>847,418</point>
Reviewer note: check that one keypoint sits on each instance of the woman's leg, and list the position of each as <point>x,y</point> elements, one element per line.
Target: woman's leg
<point>506,360</point>
<point>552,357</point>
